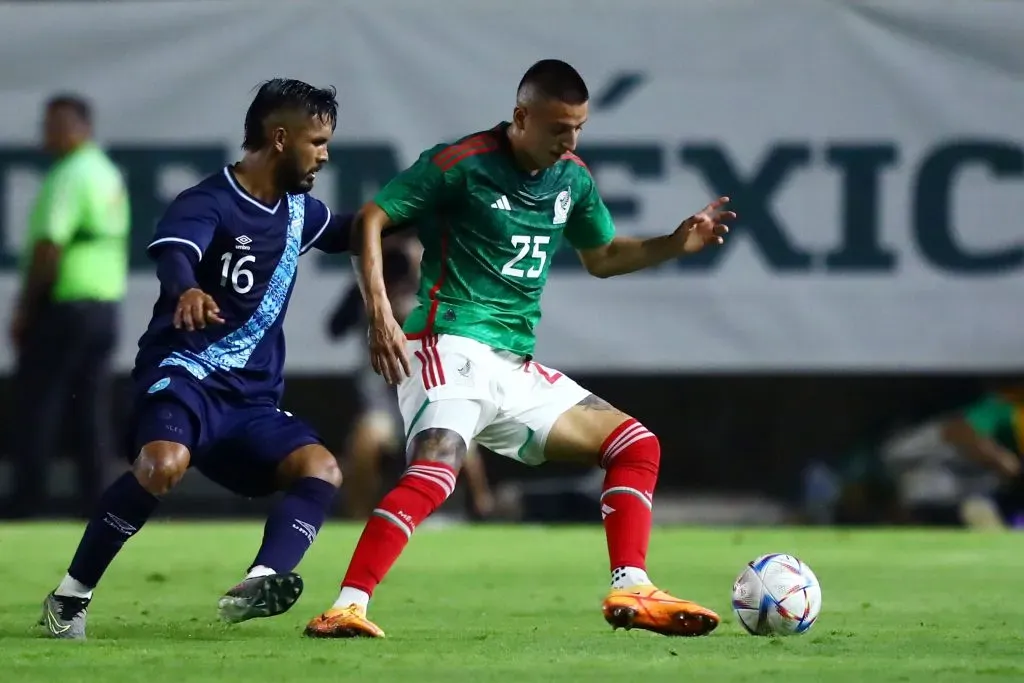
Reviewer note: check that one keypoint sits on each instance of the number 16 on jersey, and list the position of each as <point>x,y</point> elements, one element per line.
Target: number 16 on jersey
<point>241,278</point>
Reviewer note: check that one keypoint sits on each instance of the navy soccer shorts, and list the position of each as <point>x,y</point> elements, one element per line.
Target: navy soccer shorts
<point>235,443</point>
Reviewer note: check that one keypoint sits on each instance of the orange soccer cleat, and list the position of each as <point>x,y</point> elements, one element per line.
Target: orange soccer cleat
<point>343,622</point>
<point>648,608</point>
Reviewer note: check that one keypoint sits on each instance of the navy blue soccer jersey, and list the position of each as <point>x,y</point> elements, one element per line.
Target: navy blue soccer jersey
<point>247,258</point>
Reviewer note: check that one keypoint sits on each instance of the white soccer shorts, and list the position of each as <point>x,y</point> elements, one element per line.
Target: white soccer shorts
<point>501,400</point>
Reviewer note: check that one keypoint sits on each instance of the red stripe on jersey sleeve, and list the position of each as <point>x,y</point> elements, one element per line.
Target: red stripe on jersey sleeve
<point>569,156</point>
<point>471,153</point>
<point>450,156</point>
<point>455,149</point>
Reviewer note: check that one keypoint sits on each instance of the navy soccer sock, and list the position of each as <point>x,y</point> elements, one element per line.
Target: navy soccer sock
<point>122,510</point>
<point>294,523</point>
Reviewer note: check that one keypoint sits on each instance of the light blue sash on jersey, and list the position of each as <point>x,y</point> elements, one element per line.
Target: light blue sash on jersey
<point>235,349</point>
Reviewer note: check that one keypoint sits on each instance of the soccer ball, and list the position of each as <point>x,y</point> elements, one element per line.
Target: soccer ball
<point>776,595</point>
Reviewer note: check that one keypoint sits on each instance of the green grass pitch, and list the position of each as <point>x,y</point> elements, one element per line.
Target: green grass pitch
<point>521,604</point>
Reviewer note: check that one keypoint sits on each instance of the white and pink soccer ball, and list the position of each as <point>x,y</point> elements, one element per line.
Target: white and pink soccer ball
<point>776,595</point>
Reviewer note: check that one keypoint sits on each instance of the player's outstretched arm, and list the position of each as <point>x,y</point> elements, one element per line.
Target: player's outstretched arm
<point>334,231</point>
<point>331,233</point>
<point>623,255</point>
<point>386,339</point>
<point>983,450</point>
<point>411,195</point>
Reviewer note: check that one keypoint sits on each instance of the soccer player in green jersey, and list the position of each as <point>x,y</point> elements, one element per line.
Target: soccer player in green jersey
<point>493,208</point>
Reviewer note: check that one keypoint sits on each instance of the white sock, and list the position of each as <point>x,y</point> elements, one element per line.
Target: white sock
<point>627,577</point>
<point>352,596</point>
<point>259,570</point>
<point>72,588</point>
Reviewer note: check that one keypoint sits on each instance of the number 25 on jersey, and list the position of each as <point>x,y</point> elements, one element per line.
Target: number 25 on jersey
<point>240,277</point>
<point>533,247</point>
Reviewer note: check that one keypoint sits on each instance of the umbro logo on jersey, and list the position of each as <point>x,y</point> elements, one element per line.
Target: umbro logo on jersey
<point>502,204</point>
<point>242,242</point>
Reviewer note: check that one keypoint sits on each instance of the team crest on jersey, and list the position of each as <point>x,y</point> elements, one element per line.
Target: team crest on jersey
<point>562,203</point>
<point>159,385</point>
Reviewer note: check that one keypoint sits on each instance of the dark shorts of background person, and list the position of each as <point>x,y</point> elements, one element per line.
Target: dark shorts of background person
<point>63,381</point>
<point>237,444</point>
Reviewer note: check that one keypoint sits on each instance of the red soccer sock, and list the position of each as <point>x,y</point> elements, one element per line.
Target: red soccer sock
<point>630,457</point>
<point>421,490</point>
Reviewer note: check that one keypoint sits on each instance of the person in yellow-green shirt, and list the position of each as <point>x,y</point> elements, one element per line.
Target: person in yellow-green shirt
<point>64,328</point>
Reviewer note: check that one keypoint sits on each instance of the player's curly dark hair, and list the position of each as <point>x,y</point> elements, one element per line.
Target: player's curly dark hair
<point>282,94</point>
<point>554,79</point>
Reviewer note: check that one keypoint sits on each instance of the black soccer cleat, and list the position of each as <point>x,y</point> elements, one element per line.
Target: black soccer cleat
<point>259,597</point>
<point>64,616</point>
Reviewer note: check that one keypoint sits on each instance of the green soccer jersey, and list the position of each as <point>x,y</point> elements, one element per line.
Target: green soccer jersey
<point>999,418</point>
<point>489,230</point>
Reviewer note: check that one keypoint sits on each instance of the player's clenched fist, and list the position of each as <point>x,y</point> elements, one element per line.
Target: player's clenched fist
<point>707,227</point>
<point>195,310</point>
<point>387,348</point>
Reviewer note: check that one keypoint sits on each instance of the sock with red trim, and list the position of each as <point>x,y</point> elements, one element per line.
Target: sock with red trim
<point>630,457</point>
<point>422,489</point>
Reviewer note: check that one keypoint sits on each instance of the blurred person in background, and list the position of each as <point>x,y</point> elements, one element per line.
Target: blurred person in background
<point>973,480</point>
<point>64,327</point>
<point>961,468</point>
<point>377,431</point>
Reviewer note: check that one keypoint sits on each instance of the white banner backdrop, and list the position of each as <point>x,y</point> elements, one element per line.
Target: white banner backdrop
<point>875,149</point>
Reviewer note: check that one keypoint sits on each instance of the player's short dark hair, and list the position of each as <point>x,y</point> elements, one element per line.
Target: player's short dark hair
<point>76,104</point>
<point>282,94</point>
<point>554,79</point>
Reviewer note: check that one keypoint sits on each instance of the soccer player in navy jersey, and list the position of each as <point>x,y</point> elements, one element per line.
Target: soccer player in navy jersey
<point>208,374</point>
